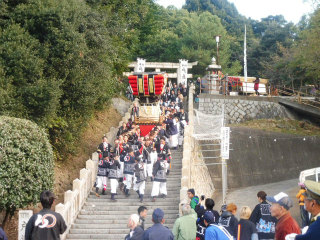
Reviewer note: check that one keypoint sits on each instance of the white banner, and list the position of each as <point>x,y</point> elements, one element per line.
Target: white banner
<point>141,63</point>
<point>183,72</point>
<point>225,142</point>
<point>24,216</point>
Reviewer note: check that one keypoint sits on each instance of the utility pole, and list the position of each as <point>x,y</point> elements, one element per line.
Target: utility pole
<point>218,40</point>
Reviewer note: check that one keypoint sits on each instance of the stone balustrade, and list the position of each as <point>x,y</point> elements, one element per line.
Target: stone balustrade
<point>195,173</point>
<point>74,199</point>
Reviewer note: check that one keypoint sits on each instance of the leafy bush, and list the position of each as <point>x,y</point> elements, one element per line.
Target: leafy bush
<point>26,160</point>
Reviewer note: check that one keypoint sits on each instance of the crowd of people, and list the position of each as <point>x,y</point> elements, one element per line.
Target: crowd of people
<point>269,220</point>
<point>135,159</point>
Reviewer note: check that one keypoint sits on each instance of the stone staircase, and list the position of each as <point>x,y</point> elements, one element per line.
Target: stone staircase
<point>102,219</point>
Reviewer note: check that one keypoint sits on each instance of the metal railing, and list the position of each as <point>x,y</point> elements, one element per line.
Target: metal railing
<point>298,96</point>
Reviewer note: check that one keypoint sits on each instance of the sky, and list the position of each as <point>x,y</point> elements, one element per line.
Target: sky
<point>292,10</point>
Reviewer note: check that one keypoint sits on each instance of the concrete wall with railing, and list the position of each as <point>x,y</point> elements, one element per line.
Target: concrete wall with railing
<point>74,199</point>
<point>195,173</point>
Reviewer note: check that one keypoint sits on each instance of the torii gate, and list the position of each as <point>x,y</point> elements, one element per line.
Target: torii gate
<point>182,68</point>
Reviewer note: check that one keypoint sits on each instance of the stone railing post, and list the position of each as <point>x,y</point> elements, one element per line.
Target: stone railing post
<point>90,166</point>
<point>187,150</point>
<point>74,200</point>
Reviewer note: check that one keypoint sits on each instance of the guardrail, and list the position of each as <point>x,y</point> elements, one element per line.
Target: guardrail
<point>74,199</point>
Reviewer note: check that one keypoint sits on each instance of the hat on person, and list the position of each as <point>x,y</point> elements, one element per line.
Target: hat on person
<point>313,190</point>
<point>208,216</point>
<point>157,215</point>
<point>224,208</point>
<point>282,199</point>
<point>191,190</point>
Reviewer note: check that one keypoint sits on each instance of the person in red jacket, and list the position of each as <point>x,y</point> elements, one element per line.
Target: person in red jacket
<point>256,86</point>
<point>281,203</point>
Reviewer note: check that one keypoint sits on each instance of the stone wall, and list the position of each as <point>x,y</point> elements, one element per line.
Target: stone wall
<point>195,173</point>
<point>239,109</point>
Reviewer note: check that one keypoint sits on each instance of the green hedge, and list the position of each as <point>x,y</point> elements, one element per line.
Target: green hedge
<point>26,163</point>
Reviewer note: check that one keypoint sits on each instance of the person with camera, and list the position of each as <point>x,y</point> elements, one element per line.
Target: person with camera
<point>200,210</point>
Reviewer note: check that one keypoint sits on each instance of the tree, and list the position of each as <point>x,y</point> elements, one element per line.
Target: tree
<point>27,162</point>
<point>307,51</point>
<point>269,32</point>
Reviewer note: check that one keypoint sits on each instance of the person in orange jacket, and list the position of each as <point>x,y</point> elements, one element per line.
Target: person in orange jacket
<point>303,212</point>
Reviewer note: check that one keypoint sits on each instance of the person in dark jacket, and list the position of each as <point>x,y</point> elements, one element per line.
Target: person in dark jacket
<point>228,220</point>
<point>172,131</point>
<point>135,111</point>
<point>46,224</point>
<point>164,152</point>
<point>158,231</point>
<point>261,217</point>
<point>173,96</point>
<point>102,174</point>
<point>148,158</point>
<point>113,168</point>
<point>159,179</point>
<point>183,117</point>
<point>312,203</point>
<point>142,211</point>
<point>214,231</point>
<point>136,231</point>
<point>128,170</point>
<point>122,129</point>
<point>200,210</point>
<point>246,229</point>
<point>104,147</point>
<point>139,178</point>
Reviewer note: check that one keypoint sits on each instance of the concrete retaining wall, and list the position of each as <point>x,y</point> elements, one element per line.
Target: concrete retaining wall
<point>259,157</point>
<point>238,109</point>
<point>195,173</point>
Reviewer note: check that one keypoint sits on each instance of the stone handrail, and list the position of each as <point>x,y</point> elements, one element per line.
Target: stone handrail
<point>74,199</point>
<point>195,173</point>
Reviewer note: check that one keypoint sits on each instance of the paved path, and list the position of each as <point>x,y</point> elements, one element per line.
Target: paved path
<point>102,219</point>
<point>248,196</point>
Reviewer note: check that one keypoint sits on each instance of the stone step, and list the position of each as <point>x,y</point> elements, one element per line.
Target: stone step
<point>100,231</point>
<point>116,221</point>
<point>172,216</point>
<point>102,219</point>
<point>112,226</point>
<point>168,201</point>
<point>159,203</point>
<point>134,196</point>
<point>128,208</point>
<point>122,212</point>
<point>97,236</point>
<point>148,187</point>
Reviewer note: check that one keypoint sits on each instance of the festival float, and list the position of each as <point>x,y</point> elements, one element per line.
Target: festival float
<point>148,87</point>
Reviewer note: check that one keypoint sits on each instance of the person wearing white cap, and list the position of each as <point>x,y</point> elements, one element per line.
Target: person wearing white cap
<point>312,205</point>
<point>136,231</point>
<point>281,203</point>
